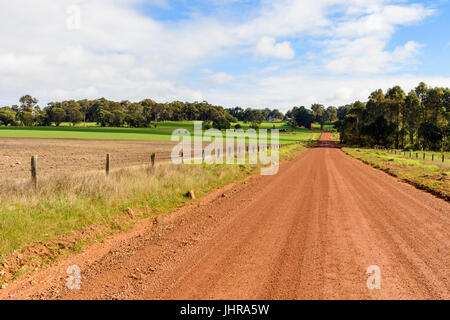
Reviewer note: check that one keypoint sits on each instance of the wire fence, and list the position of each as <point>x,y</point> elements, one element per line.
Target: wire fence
<point>418,155</point>
<point>161,157</point>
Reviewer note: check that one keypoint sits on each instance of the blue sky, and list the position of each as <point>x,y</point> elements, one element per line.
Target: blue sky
<point>248,53</point>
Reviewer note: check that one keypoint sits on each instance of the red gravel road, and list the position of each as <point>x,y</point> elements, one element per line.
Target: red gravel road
<point>309,232</point>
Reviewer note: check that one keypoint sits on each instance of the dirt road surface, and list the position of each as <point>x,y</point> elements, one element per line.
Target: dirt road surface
<point>309,232</point>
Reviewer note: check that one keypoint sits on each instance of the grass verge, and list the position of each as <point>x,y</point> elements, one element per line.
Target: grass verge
<point>430,176</point>
<point>68,212</point>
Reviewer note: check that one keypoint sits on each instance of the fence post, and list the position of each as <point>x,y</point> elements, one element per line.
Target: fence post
<point>410,154</point>
<point>424,156</point>
<point>417,155</point>
<point>203,155</point>
<point>443,158</point>
<point>432,157</point>
<point>34,171</point>
<point>107,164</point>
<point>153,156</point>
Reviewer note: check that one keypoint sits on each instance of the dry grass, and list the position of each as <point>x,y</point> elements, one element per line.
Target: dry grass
<point>66,203</point>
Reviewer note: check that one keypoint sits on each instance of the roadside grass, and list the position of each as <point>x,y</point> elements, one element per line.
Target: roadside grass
<point>418,155</point>
<point>162,133</point>
<point>67,212</point>
<point>335,136</point>
<point>433,177</point>
<point>67,203</point>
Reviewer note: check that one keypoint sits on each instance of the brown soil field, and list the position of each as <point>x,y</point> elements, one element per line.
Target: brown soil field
<point>58,156</point>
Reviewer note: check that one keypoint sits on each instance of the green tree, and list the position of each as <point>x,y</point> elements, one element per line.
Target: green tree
<point>319,114</point>
<point>27,103</point>
<point>57,115</point>
<point>396,102</point>
<point>431,135</point>
<point>303,117</point>
<point>331,114</point>
<point>221,123</point>
<point>74,115</point>
<point>412,114</point>
<point>7,116</point>
<point>256,118</point>
<point>27,118</point>
<point>357,111</point>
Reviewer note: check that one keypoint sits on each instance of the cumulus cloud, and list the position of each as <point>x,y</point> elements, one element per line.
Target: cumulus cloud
<point>359,45</point>
<point>119,53</point>
<point>293,88</point>
<point>219,78</point>
<point>268,47</point>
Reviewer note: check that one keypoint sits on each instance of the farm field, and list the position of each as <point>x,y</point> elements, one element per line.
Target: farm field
<point>58,156</point>
<point>162,133</point>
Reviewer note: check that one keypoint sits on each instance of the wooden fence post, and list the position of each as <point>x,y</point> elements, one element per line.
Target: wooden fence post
<point>34,171</point>
<point>424,156</point>
<point>417,155</point>
<point>203,155</point>
<point>443,158</point>
<point>432,157</point>
<point>107,164</point>
<point>153,156</point>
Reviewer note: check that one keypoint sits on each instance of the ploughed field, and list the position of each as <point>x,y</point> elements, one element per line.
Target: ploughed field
<point>59,156</point>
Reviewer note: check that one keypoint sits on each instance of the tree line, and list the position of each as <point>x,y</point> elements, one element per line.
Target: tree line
<point>303,117</point>
<point>419,120</point>
<point>140,114</point>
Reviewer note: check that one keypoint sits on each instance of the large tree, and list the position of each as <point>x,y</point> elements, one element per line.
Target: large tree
<point>412,114</point>
<point>319,113</point>
<point>395,97</point>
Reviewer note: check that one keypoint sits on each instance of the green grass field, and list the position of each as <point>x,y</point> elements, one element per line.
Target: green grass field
<point>329,126</point>
<point>162,133</point>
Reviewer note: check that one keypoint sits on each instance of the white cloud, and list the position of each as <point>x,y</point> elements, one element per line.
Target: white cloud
<point>268,47</point>
<point>367,55</point>
<point>293,88</point>
<point>219,78</point>
<point>381,21</point>
<point>359,45</point>
<point>121,54</point>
